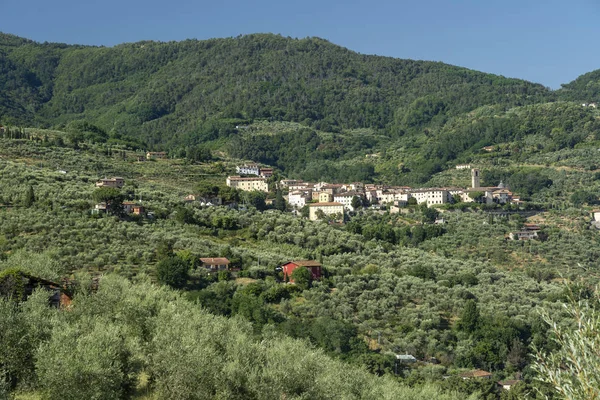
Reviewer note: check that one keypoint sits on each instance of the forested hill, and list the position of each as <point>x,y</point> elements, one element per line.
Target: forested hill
<point>162,92</point>
<point>585,88</point>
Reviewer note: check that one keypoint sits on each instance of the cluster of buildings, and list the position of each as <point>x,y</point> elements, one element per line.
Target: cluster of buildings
<point>129,207</point>
<point>254,169</point>
<point>337,198</point>
<point>251,177</point>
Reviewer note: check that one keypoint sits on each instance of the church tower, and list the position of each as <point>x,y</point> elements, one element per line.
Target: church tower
<point>475,178</point>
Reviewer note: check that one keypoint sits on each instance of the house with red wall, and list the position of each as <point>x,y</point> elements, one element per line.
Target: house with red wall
<point>313,266</point>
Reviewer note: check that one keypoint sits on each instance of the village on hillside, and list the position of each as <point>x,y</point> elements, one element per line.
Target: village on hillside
<point>324,198</point>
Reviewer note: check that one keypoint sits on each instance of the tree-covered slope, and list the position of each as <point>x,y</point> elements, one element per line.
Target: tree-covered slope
<point>158,91</point>
<point>585,88</point>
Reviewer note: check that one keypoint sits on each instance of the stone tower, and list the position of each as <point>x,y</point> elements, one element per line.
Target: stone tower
<point>475,178</point>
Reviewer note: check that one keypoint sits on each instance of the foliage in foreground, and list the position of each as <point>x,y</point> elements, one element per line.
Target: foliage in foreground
<point>574,368</point>
<point>99,349</point>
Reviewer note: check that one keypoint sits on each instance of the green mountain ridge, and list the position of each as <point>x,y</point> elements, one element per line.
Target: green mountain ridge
<point>173,95</point>
<point>158,85</point>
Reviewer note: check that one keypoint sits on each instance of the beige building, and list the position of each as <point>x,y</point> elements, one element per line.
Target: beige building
<point>248,184</point>
<point>328,208</point>
<point>325,197</point>
<point>112,183</point>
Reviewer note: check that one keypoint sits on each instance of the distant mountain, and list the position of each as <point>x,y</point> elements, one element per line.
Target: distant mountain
<point>165,92</point>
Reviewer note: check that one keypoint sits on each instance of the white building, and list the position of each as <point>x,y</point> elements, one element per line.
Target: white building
<point>431,196</point>
<point>346,199</point>
<point>248,184</point>
<point>299,198</point>
<point>248,169</point>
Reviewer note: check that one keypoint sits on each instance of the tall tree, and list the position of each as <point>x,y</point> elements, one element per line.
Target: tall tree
<point>29,197</point>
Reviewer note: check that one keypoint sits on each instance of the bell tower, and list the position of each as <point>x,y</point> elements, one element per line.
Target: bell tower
<point>475,178</point>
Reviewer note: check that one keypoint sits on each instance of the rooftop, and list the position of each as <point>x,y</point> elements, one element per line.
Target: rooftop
<point>305,263</point>
<point>215,260</point>
<point>329,203</point>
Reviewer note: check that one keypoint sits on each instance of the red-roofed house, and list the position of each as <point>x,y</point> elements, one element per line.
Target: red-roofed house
<point>313,266</point>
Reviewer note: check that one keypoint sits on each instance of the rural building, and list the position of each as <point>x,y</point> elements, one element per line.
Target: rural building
<point>529,232</point>
<point>329,208</point>
<point>112,182</point>
<point>463,166</point>
<point>156,155</point>
<point>204,200</point>
<point>17,282</point>
<point>248,184</point>
<point>139,210</point>
<point>478,373</point>
<point>313,266</point>
<point>215,263</point>
<point>265,172</point>
<point>406,358</point>
<point>508,384</point>
<point>99,208</point>
<point>248,169</point>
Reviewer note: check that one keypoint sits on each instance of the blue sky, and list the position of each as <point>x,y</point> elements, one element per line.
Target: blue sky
<point>550,42</point>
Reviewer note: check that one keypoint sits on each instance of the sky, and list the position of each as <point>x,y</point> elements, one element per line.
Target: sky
<point>548,42</point>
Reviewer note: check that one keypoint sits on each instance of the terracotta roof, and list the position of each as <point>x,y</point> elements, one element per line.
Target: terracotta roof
<point>478,373</point>
<point>305,263</point>
<point>509,382</point>
<point>239,178</point>
<point>329,203</point>
<point>215,260</point>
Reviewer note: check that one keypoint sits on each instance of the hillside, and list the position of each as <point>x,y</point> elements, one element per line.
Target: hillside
<point>163,92</point>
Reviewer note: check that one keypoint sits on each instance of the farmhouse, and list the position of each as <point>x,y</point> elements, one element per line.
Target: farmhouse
<point>112,182</point>
<point>204,200</point>
<point>508,384</point>
<point>478,373</point>
<point>215,263</point>
<point>19,284</point>
<point>529,232</point>
<point>313,266</point>
<point>329,208</point>
<point>248,184</point>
